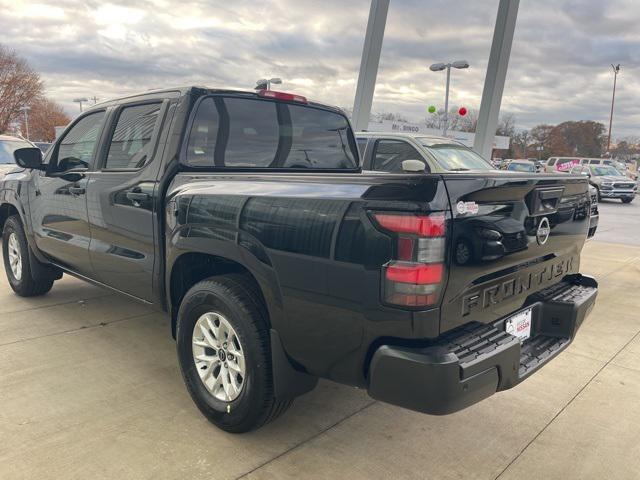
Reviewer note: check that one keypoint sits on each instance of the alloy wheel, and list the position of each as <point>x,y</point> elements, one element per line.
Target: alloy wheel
<point>15,256</point>
<point>218,356</point>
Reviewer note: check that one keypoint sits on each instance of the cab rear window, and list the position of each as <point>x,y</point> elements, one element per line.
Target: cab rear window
<point>254,133</point>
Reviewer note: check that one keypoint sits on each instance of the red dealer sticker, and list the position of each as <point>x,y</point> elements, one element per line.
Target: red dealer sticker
<point>519,325</point>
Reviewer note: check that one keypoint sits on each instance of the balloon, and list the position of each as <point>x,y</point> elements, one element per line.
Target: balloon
<point>432,109</point>
<point>462,111</point>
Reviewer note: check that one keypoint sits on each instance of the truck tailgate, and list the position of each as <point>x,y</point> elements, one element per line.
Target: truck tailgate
<point>511,236</point>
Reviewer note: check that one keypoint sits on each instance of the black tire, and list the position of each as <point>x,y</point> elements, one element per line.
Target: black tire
<point>599,196</point>
<point>627,200</point>
<point>236,299</point>
<point>26,285</point>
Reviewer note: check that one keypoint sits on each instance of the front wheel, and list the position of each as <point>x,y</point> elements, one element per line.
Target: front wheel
<point>225,356</point>
<point>18,261</point>
<point>627,200</point>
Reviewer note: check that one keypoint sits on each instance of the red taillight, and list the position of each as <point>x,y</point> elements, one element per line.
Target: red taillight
<point>419,274</point>
<point>287,97</point>
<point>422,225</point>
<point>415,278</point>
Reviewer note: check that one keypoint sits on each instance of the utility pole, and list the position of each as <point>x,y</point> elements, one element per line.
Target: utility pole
<point>616,70</point>
<point>438,67</point>
<point>26,109</point>
<point>79,102</point>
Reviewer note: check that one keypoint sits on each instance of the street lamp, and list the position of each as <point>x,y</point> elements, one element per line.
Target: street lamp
<point>79,101</point>
<point>616,70</point>
<point>26,109</point>
<point>265,84</point>
<point>438,67</point>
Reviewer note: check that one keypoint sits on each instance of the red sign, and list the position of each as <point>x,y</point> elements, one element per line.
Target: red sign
<point>565,165</point>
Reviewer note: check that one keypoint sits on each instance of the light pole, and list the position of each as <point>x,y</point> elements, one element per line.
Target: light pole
<point>438,67</point>
<point>26,109</point>
<point>616,70</point>
<point>265,83</point>
<point>79,102</point>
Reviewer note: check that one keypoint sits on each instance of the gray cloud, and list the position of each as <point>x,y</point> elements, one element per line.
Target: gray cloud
<point>559,67</point>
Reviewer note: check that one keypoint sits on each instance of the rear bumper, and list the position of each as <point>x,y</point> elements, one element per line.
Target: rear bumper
<point>475,361</point>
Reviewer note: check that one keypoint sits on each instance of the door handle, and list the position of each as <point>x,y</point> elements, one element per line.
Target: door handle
<point>138,197</point>
<point>77,190</point>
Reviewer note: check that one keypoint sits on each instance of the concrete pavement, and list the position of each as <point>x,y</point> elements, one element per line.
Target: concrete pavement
<point>90,388</point>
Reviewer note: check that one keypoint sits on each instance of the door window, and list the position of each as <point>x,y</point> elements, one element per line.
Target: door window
<point>131,144</point>
<point>77,148</point>
<point>389,155</point>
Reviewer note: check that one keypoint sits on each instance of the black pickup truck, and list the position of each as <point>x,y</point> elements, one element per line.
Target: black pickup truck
<point>246,217</point>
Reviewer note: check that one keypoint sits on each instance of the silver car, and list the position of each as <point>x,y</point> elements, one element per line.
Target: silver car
<point>7,146</point>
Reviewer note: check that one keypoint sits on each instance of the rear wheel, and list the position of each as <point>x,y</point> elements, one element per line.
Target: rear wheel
<point>225,355</point>
<point>627,200</point>
<point>18,261</point>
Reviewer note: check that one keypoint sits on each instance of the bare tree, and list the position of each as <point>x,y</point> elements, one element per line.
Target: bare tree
<point>44,115</point>
<point>19,86</point>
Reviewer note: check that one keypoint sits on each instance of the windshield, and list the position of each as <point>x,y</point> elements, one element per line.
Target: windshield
<point>455,158</point>
<point>6,150</point>
<point>602,171</point>
<point>522,167</point>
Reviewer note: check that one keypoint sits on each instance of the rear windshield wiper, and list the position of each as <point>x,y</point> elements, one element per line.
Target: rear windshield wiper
<point>459,169</point>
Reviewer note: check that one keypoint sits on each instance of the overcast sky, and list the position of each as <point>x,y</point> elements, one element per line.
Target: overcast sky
<point>560,63</point>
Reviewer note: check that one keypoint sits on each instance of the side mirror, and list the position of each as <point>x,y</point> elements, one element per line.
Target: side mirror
<point>413,166</point>
<point>29,157</point>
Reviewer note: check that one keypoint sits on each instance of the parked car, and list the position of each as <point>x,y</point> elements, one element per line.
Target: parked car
<point>246,217</point>
<point>561,164</point>
<point>387,152</point>
<point>619,166</point>
<point>522,166</point>
<point>44,146</point>
<point>609,182</point>
<point>8,145</point>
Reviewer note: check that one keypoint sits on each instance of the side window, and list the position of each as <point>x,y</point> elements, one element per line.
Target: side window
<point>77,148</point>
<point>251,133</point>
<point>131,144</point>
<point>319,139</point>
<point>233,132</point>
<point>552,162</point>
<point>389,155</point>
<point>594,162</point>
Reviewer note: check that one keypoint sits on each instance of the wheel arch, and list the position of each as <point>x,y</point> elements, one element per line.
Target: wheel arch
<point>7,210</point>
<point>192,267</point>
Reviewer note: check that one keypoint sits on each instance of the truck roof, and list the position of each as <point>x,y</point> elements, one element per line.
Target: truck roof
<point>197,89</point>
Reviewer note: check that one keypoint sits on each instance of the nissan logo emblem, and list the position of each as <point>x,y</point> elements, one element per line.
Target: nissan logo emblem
<point>544,230</point>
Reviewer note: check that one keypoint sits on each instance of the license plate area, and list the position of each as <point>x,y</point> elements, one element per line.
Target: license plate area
<point>519,324</point>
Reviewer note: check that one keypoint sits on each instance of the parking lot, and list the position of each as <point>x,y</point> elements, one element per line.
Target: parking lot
<point>90,388</point>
